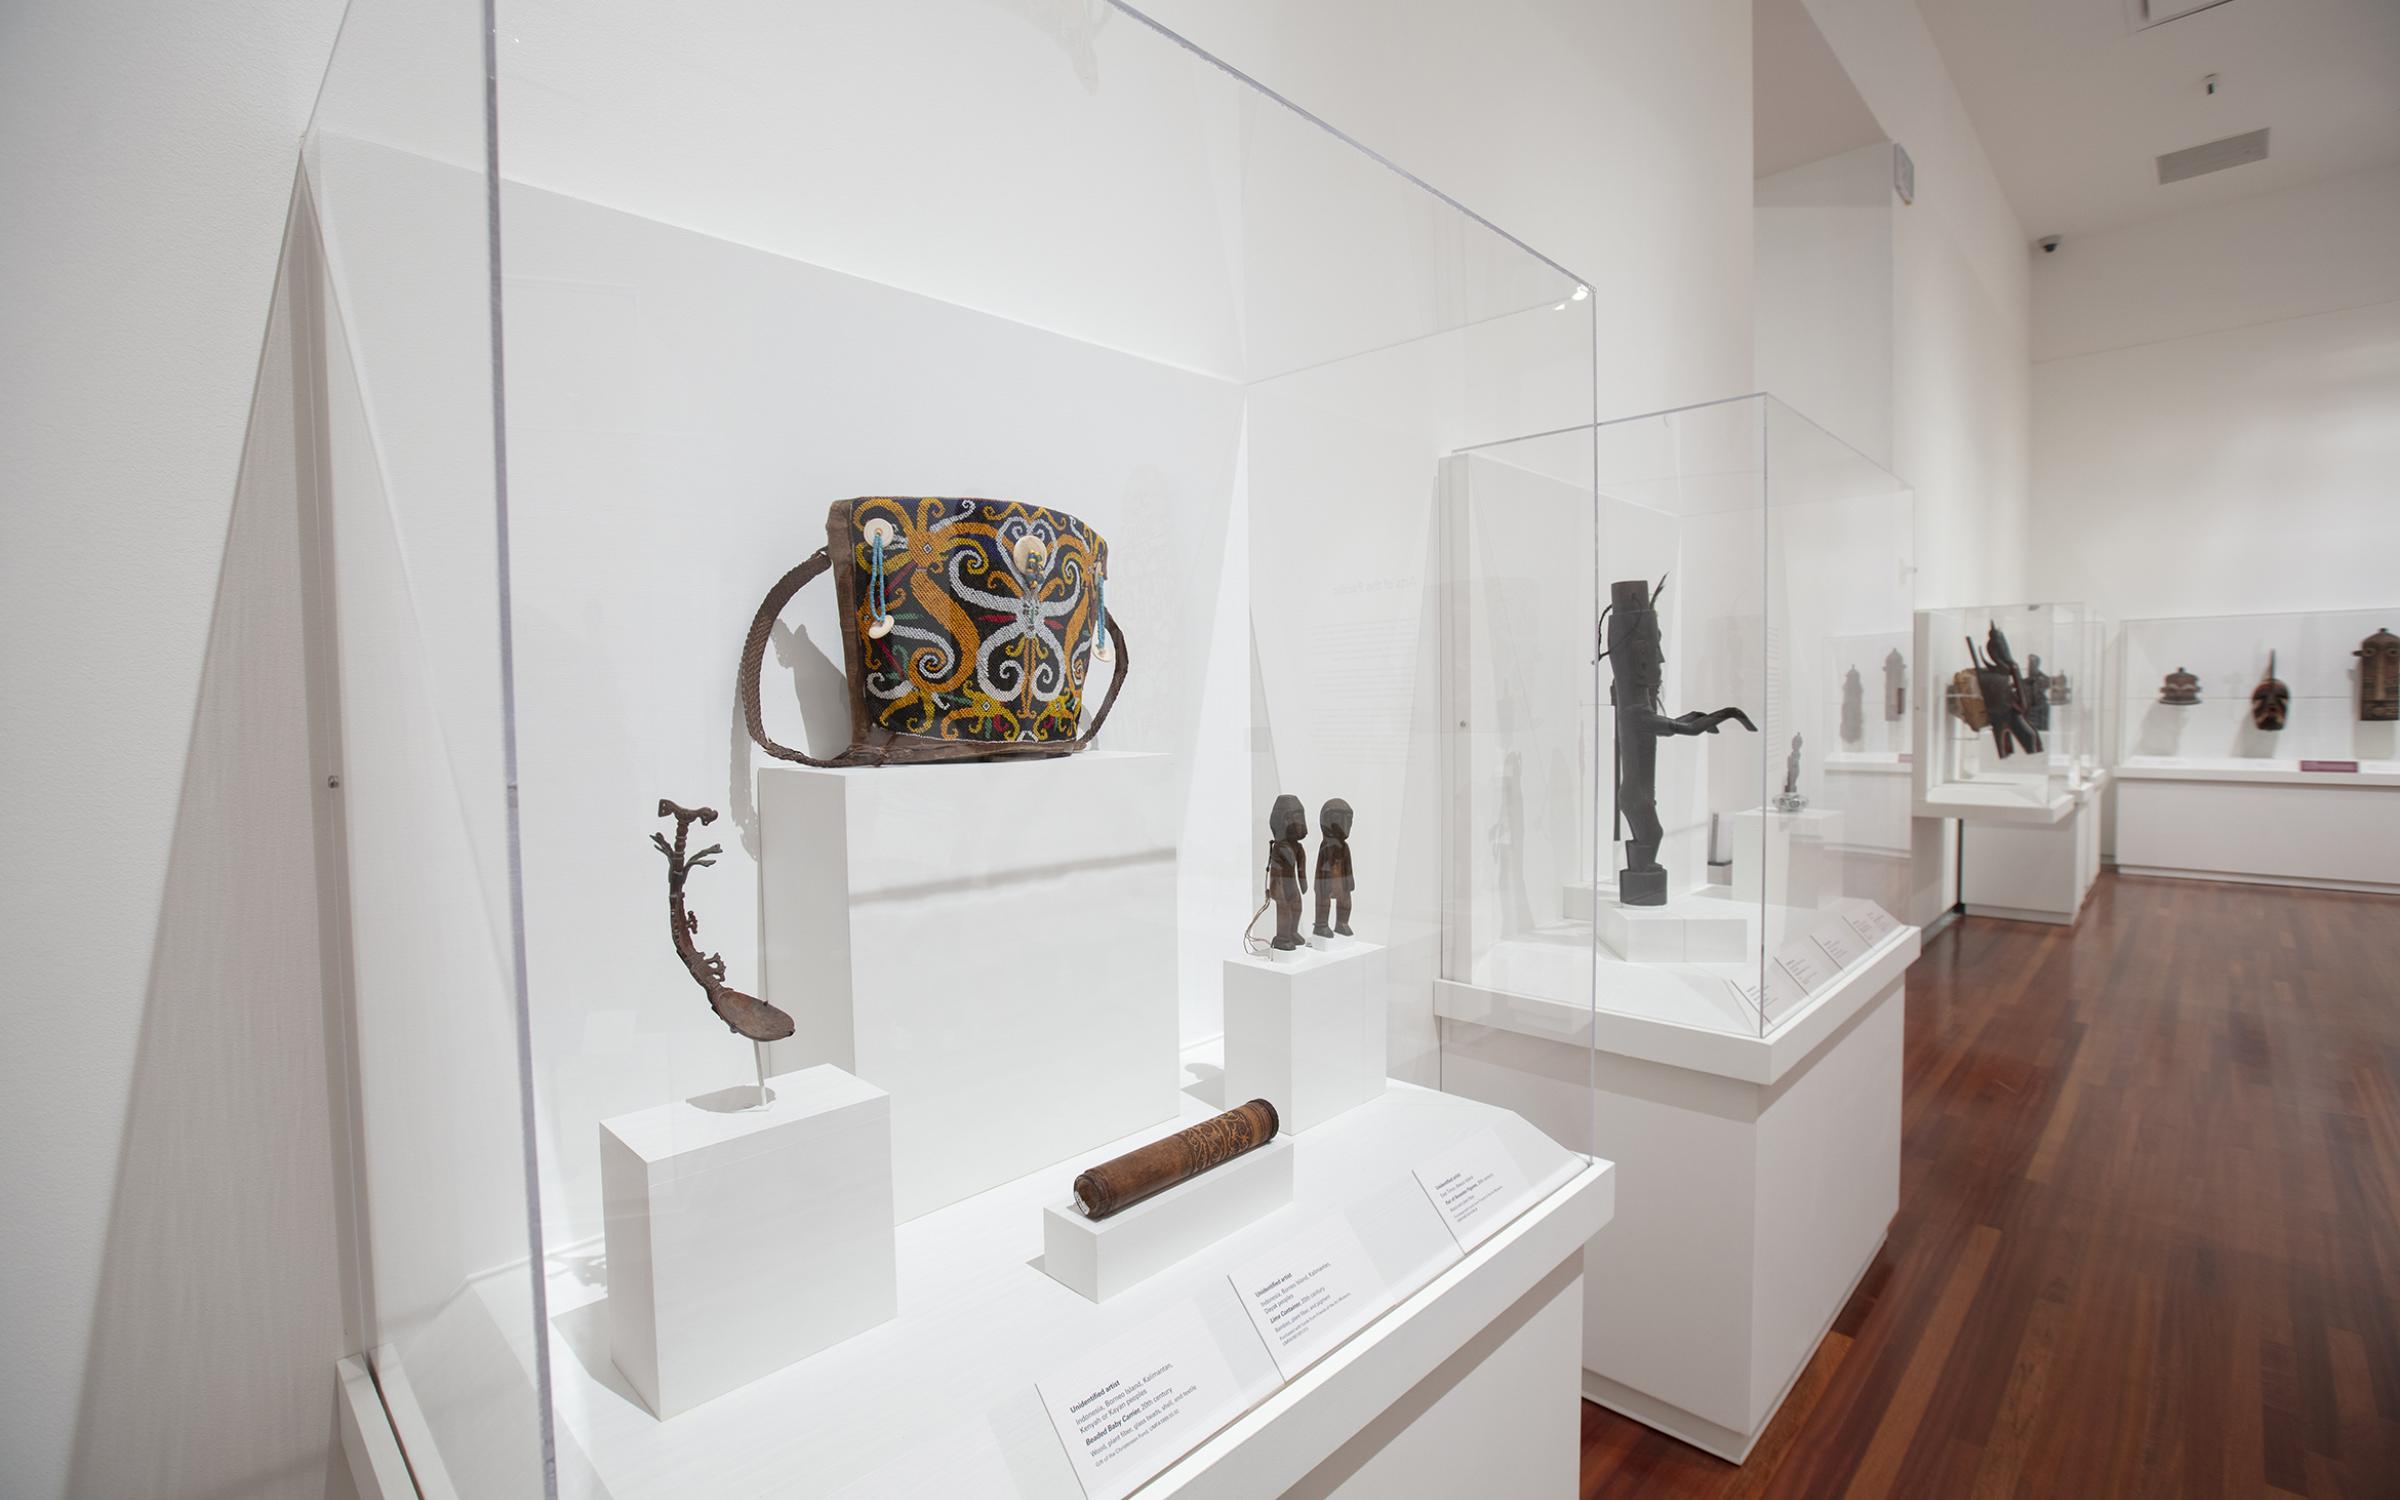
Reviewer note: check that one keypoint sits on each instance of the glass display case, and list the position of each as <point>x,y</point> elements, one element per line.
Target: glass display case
<point>1741,801</point>
<point>659,623</point>
<point>2327,662</point>
<point>1996,736</point>
<point>2078,691</point>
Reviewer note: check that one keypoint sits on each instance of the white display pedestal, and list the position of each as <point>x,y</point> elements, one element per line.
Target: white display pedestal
<point>1788,859</point>
<point>991,943</point>
<point>1102,1257</point>
<point>742,1239</point>
<point>1768,1170</point>
<point>1700,928</point>
<point>2269,825</point>
<point>2031,872</point>
<point>1306,1031</point>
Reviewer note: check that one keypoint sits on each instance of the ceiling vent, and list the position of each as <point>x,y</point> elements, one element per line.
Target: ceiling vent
<point>2148,13</point>
<point>2215,156</point>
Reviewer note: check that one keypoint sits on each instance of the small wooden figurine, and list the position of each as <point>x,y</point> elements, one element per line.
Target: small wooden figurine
<point>1287,867</point>
<point>1335,879</point>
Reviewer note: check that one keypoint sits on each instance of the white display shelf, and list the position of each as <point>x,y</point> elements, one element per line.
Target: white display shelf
<point>2237,769</point>
<point>1992,803</point>
<point>1867,763</point>
<point>940,1401</point>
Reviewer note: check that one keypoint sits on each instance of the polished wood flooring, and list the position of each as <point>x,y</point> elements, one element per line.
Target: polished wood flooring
<point>2149,1229</point>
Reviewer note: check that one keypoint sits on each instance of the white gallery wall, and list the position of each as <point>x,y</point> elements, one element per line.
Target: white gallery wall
<point>169,1293</point>
<point>1961,411</point>
<point>2217,408</point>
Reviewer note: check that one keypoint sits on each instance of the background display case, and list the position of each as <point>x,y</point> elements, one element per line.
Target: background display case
<point>1962,770</point>
<point>1779,561</point>
<point>2202,790</point>
<point>1749,1022</point>
<point>748,265</point>
<point>2030,845</point>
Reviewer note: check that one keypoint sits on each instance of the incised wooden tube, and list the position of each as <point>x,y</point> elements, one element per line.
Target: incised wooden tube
<point>1118,1184</point>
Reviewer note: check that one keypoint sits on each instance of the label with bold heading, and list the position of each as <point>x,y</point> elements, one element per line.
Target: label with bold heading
<point>1310,1293</point>
<point>1476,1186</point>
<point>1130,1408</point>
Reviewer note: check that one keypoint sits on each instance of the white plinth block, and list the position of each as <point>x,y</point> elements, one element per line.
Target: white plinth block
<point>993,944</point>
<point>2028,872</point>
<point>1102,1257</point>
<point>1770,1170</point>
<point>1307,1034</point>
<point>1787,859</point>
<point>1694,929</point>
<point>741,1239</point>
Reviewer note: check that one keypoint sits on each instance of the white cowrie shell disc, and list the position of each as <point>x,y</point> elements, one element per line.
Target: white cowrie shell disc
<point>881,530</point>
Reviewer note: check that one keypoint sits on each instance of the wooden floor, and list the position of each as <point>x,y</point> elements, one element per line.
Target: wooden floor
<point>2149,1229</point>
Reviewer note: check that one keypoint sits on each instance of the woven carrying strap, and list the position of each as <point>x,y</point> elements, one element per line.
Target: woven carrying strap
<point>754,656</point>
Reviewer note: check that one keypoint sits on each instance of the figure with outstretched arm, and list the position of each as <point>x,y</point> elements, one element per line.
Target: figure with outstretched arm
<point>1637,658</point>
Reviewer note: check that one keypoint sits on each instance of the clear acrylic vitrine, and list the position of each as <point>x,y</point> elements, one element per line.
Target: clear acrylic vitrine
<point>2317,655</point>
<point>2006,699</point>
<point>1750,574</point>
<point>597,354</point>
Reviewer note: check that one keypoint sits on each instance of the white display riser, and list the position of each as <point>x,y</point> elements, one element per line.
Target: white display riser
<point>1307,1031</point>
<point>2032,872</point>
<point>1704,926</point>
<point>2335,834</point>
<point>940,1401</point>
<point>1102,1257</point>
<point>742,1238</point>
<point>992,944</point>
<point>1763,1198</point>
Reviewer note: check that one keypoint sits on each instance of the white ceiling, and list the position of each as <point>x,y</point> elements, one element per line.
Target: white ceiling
<point>1802,106</point>
<point>2074,104</point>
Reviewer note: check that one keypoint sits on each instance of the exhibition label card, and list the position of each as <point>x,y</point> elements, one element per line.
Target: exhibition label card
<point>1839,942</point>
<point>1138,1403</point>
<point>1475,1186</point>
<point>1784,993</point>
<point>1805,962</point>
<point>1871,922</point>
<point>1746,995</point>
<point>2329,765</point>
<point>1310,1293</point>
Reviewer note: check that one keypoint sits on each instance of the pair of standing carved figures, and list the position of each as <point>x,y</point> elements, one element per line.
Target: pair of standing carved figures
<point>1287,871</point>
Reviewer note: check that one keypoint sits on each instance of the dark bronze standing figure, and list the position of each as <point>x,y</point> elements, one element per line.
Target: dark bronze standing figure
<point>2180,690</point>
<point>2271,700</point>
<point>1637,658</point>
<point>1335,880</point>
<point>1789,799</point>
<point>2003,692</point>
<point>2037,693</point>
<point>1895,686</point>
<point>747,1015</point>
<point>2378,678</point>
<point>1854,714</point>
<point>1287,868</point>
